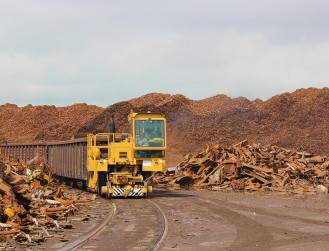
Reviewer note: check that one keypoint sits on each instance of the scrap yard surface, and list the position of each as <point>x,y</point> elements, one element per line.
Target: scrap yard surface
<point>62,218</point>
<point>201,221</point>
<point>244,175</point>
<point>164,125</point>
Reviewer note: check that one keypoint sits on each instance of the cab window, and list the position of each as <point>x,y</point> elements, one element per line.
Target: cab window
<point>149,133</point>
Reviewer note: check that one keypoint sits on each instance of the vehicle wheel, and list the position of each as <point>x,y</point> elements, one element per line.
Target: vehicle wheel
<point>108,184</point>
<point>145,185</point>
<point>101,182</point>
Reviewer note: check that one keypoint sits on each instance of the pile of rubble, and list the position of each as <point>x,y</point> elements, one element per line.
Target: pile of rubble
<point>250,167</point>
<point>33,206</point>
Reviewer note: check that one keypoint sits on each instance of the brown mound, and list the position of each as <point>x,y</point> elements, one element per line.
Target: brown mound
<point>298,119</point>
<point>29,123</point>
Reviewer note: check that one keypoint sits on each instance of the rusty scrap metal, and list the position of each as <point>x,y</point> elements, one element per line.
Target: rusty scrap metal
<point>250,167</point>
<point>31,202</point>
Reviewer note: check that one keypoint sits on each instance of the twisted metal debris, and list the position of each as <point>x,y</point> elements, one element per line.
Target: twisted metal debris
<point>33,207</point>
<point>250,167</point>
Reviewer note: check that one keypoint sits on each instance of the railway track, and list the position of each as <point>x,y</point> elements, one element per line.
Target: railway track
<point>130,224</point>
<point>209,221</point>
<point>109,218</point>
<point>161,238</point>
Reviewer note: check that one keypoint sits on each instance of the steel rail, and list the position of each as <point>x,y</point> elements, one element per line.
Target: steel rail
<point>74,245</point>
<point>161,237</point>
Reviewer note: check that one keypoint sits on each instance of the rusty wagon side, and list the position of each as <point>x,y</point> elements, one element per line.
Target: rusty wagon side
<point>65,158</point>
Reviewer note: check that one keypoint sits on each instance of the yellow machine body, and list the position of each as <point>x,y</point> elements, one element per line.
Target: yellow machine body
<point>120,163</point>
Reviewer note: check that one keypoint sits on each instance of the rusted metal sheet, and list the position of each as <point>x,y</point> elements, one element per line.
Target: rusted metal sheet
<point>68,159</point>
<point>65,158</point>
<point>24,151</point>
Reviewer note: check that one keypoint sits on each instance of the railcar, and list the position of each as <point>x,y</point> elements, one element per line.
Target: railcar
<point>113,164</point>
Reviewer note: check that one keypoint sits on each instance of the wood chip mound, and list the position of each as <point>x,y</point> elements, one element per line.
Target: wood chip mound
<point>249,167</point>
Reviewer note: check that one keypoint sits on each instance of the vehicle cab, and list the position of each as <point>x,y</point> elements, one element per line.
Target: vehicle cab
<point>149,133</point>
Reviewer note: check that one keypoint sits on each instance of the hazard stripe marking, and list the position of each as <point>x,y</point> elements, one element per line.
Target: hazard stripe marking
<point>134,192</point>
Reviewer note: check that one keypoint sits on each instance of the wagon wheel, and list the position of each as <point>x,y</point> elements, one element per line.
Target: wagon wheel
<point>145,185</point>
<point>101,181</point>
<point>108,185</point>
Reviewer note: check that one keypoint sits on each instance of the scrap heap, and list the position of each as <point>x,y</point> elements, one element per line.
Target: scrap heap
<point>250,167</point>
<point>31,205</point>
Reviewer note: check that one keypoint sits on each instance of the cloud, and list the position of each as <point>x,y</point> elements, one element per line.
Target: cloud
<point>103,52</point>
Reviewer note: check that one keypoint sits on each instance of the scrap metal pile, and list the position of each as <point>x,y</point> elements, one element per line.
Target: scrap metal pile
<point>250,167</point>
<point>32,206</point>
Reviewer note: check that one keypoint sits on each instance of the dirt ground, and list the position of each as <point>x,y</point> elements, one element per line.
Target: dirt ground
<point>202,220</point>
<point>231,221</point>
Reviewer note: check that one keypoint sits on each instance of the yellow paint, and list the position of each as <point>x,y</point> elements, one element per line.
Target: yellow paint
<point>122,158</point>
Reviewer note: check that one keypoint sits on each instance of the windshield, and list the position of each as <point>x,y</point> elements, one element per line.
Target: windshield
<point>149,133</point>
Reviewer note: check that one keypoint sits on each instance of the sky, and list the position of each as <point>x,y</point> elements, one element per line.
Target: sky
<point>104,51</point>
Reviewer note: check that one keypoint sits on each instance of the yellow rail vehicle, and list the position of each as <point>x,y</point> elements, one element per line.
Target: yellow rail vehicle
<point>119,164</point>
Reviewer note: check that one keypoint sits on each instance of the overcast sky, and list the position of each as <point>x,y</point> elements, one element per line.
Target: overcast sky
<point>101,52</point>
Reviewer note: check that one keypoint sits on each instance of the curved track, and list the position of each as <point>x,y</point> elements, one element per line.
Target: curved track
<point>132,224</point>
<point>232,221</point>
<point>109,218</point>
<point>208,221</point>
<point>161,238</point>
